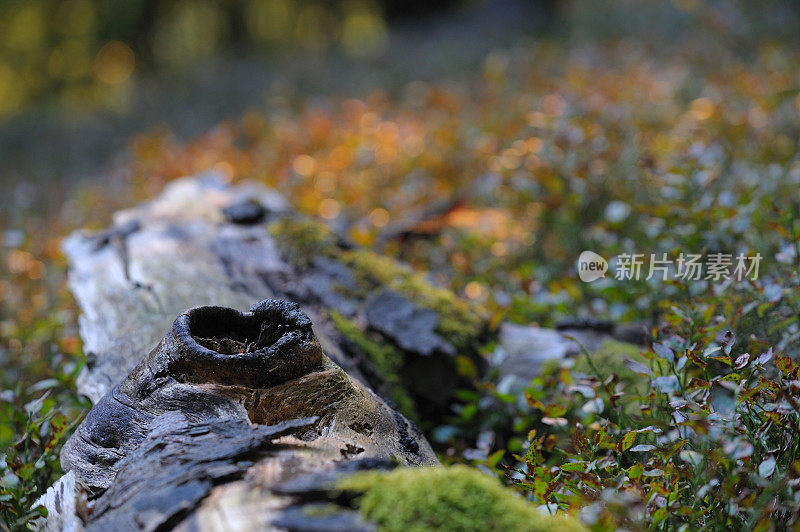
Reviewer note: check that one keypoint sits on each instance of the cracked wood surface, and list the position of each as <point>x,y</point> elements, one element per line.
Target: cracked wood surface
<point>156,261</point>
<point>169,445</point>
<point>201,242</point>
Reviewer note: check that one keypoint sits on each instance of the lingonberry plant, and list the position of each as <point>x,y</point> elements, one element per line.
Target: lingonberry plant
<point>701,430</point>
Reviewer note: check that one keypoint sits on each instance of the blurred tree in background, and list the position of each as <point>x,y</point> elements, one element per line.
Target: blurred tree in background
<point>79,49</point>
<point>86,52</point>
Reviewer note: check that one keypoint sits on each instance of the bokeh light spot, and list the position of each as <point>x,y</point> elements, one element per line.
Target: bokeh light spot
<point>329,208</point>
<point>702,108</point>
<point>475,290</point>
<point>305,165</point>
<point>114,63</point>
<point>379,217</point>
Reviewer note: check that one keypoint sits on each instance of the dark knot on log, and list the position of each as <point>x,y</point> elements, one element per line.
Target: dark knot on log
<point>244,351</point>
<point>271,344</point>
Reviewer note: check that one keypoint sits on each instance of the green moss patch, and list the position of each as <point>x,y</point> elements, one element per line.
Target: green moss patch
<point>457,498</point>
<point>386,358</point>
<point>461,323</point>
<point>301,239</point>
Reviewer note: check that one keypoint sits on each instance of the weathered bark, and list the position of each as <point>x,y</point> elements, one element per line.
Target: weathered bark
<point>212,401</point>
<point>203,243</point>
<point>198,431</point>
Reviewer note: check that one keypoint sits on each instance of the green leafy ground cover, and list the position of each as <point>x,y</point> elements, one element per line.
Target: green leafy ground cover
<point>676,140</point>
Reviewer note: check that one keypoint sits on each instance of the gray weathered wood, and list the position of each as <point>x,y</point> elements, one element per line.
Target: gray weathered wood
<point>167,445</point>
<point>204,243</point>
<point>158,259</point>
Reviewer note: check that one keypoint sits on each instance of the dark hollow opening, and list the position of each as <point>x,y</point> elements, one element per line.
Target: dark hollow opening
<point>229,332</point>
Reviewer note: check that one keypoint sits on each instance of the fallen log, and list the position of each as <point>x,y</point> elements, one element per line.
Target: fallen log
<point>227,420</point>
<point>226,395</point>
<point>229,405</point>
<point>204,243</point>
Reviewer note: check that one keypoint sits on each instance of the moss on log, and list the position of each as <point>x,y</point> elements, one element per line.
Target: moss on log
<point>228,403</point>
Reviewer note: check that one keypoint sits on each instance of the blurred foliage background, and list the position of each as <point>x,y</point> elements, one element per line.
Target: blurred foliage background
<point>91,52</point>
<point>102,70</point>
<point>85,52</point>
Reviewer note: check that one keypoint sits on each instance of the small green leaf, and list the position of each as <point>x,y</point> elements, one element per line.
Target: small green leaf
<point>540,489</point>
<point>722,358</point>
<point>573,466</point>
<point>635,471</point>
<point>626,441</point>
<point>659,515</point>
<point>58,427</point>
<point>552,410</point>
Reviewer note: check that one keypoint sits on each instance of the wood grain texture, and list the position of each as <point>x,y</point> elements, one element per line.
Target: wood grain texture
<point>201,242</point>
<point>169,445</point>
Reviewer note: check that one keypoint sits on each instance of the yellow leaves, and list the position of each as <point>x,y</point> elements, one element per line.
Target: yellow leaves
<point>785,365</point>
<point>493,223</point>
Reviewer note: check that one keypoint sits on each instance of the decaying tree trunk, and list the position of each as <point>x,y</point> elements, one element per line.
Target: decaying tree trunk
<point>203,243</point>
<point>228,407</point>
<point>227,395</point>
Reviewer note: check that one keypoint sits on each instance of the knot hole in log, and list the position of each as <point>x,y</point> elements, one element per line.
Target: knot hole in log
<point>271,344</point>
